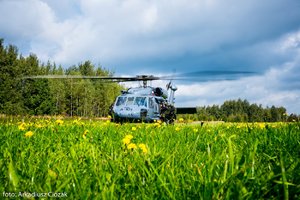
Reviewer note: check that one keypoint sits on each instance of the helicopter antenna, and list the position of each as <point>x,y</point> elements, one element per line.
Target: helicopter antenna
<point>171,98</point>
<point>171,79</point>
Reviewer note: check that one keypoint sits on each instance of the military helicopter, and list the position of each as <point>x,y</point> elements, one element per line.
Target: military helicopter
<point>146,103</point>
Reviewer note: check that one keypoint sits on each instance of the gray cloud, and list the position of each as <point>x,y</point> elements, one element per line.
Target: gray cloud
<point>279,85</point>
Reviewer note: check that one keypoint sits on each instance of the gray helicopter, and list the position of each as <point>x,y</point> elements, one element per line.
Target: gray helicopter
<point>146,103</point>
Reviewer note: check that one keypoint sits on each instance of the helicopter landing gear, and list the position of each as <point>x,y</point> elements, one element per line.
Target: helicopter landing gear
<point>143,115</point>
<point>167,114</point>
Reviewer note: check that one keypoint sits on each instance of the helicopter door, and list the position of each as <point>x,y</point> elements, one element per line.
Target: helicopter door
<point>153,108</point>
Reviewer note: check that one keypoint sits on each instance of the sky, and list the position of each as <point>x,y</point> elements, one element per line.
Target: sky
<point>131,37</point>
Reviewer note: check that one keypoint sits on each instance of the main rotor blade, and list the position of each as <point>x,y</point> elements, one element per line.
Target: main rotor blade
<point>213,75</point>
<point>108,78</point>
<point>209,75</point>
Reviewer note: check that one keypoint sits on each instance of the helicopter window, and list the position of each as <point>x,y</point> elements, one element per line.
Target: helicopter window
<point>151,102</point>
<point>140,101</point>
<point>130,101</point>
<point>121,101</point>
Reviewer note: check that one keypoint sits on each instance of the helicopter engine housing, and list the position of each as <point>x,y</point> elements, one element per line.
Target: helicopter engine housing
<point>160,92</point>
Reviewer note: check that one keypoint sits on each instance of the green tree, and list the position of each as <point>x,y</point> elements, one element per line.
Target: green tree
<point>37,97</point>
<point>10,82</point>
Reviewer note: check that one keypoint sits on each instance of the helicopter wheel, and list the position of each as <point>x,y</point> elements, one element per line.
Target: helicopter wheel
<point>168,116</point>
<point>115,119</point>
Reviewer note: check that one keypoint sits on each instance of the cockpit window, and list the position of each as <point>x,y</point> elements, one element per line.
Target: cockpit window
<point>129,101</point>
<point>140,101</point>
<point>121,101</point>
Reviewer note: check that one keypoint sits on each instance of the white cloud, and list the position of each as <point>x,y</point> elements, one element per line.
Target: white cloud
<point>22,18</point>
<point>106,31</point>
<point>259,89</point>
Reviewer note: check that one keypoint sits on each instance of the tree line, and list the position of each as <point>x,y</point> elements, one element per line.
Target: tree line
<point>71,97</point>
<point>242,111</point>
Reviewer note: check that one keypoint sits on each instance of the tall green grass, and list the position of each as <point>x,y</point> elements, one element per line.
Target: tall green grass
<point>88,159</point>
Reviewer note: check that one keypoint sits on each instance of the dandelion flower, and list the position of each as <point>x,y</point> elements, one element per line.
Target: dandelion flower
<point>261,125</point>
<point>77,121</point>
<point>127,139</point>
<point>28,134</point>
<point>133,128</point>
<point>59,122</point>
<point>129,136</point>
<point>177,129</point>
<point>181,119</point>
<point>85,133</point>
<point>157,124</point>
<point>131,146</point>
<point>22,126</point>
<point>143,147</point>
<point>39,126</point>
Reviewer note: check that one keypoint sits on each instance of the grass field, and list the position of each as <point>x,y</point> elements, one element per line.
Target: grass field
<point>88,159</point>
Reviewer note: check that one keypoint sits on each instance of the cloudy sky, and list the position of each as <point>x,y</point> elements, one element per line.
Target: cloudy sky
<point>159,37</point>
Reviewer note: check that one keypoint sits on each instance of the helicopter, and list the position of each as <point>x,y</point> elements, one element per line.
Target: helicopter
<point>146,103</point>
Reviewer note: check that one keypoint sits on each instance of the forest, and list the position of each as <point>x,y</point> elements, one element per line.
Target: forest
<point>69,97</point>
<point>241,111</point>
<point>92,98</point>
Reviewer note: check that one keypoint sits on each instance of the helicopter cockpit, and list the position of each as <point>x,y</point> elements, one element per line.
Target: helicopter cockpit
<point>145,108</point>
<point>129,101</point>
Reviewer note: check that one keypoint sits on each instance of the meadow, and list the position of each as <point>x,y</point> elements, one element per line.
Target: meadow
<point>93,159</point>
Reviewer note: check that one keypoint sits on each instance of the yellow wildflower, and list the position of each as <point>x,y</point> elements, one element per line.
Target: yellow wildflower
<point>133,128</point>
<point>143,147</point>
<point>157,124</point>
<point>129,136</point>
<point>131,146</point>
<point>85,133</point>
<point>77,121</point>
<point>177,129</point>
<point>59,122</point>
<point>195,130</point>
<point>39,126</point>
<point>261,125</point>
<point>181,119</point>
<point>28,134</point>
<point>22,126</point>
<point>158,121</point>
<point>127,139</point>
